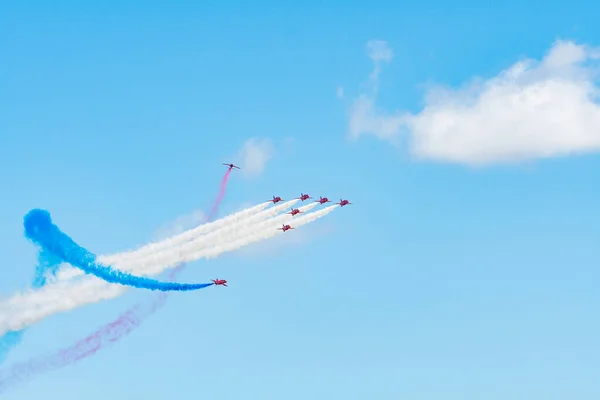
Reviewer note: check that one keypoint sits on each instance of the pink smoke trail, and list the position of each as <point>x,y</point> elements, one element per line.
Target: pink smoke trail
<point>84,348</point>
<point>106,335</point>
<point>214,210</point>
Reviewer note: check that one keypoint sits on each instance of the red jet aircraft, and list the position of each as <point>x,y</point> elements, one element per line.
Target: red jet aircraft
<point>323,200</point>
<point>276,199</point>
<point>231,166</point>
<point>220,282</point>
<point>304,197</point>
<point>343,203</point>
<point>285,228</point>
<point>294,212</point>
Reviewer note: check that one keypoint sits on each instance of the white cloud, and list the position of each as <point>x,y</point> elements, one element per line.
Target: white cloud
<point>379,51</point>
<point>340,92</point>
<point>365,118</point>
<point>533,109</point>
<point>254,156</point>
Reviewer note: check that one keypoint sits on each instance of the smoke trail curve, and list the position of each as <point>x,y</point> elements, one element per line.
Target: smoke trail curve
<point>30,307</point>
<point>40,230</point>
<point>109,333</point>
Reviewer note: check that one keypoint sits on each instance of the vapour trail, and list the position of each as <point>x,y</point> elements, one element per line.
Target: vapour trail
<point>40,230</point>
<point>24,309</point>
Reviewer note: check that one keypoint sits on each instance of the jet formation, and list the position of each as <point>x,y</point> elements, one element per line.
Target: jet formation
<point>294,211</point>
<point>303,197</point>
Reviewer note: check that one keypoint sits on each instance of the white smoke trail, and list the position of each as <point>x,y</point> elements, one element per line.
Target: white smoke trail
<point>30,307</point>
<point>266,233</point>
<point>229,232</point>
<point>156,263</point>
<point>236,218</point>
<point>228,223</point>
<point>199,248</point>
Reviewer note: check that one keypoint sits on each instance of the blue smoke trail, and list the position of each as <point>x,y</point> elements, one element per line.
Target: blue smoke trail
<point>8,341</point>
<point>40,230</point>
<point>47,265</point>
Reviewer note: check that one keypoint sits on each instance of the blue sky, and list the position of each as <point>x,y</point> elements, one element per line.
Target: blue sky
<point>466,267</point>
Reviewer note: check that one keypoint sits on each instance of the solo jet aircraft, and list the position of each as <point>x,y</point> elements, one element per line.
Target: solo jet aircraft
<point>222,282</point>
<point>231,166</point>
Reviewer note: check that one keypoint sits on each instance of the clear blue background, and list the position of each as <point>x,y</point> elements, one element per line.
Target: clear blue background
<point>439,282</point>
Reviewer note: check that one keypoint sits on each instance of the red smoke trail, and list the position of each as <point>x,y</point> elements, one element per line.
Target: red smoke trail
<point>108,334</point>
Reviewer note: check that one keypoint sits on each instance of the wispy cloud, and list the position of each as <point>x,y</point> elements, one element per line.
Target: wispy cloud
<point>379,52</point>
<point>533,109</point>
<point>365,117</point>
<point>254,156</point>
